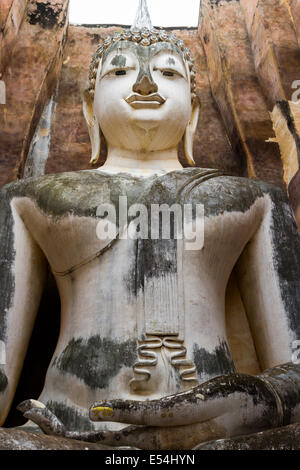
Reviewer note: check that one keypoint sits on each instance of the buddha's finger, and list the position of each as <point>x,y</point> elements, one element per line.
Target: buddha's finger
<point>128,436</point>
<point>46,420</point>
<point>27,405</point>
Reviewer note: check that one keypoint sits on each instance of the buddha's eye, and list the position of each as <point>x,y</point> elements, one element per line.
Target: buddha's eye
<point>167,73</point>
<point>120,72</point>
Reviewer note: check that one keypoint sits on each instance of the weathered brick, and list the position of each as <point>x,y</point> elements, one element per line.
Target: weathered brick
<point>275,47</point>
<point>236,89</point>
<point>30,77</point>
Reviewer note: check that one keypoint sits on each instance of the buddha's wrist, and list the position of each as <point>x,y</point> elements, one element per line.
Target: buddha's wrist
<point>284,382</point>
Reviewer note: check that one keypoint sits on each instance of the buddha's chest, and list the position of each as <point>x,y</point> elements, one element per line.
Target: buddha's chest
<point>73,226</point>
<point>164,234</point>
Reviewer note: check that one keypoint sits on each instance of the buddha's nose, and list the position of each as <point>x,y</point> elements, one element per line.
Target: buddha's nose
<point>145,84</point>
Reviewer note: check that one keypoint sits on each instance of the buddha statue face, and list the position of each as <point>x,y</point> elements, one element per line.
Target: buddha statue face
<point>142,99</point>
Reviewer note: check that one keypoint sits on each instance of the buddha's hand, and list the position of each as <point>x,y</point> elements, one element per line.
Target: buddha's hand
<point>52,426</point>
<point>43,417</point>
<point>237,403</point>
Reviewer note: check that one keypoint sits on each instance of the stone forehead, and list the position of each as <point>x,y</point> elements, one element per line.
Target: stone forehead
<point>143,51</point>
<point>158,39</point>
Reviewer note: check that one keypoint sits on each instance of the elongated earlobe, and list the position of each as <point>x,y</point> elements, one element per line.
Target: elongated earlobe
<point>93,127</point>
<point>188,138</point>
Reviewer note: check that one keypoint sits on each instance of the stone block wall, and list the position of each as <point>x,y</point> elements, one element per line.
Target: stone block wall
<point>237,90</point>
<point>30,70</point>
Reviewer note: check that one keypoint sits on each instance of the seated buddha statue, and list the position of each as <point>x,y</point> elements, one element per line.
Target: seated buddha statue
<point>143,357</point>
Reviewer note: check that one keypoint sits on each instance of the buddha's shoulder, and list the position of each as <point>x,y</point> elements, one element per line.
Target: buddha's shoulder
<point>71,180</point>
<point>216,188</point>
<point>85,190</point>
<point>78,191</point>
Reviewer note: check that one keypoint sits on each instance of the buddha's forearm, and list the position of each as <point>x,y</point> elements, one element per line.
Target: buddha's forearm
<point>284,380</point>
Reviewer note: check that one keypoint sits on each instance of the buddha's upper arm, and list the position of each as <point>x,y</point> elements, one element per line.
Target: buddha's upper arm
<point>269,280</point>
<point>22,275</point>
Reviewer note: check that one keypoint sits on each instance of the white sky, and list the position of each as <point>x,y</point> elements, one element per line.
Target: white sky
<point>163,12</point>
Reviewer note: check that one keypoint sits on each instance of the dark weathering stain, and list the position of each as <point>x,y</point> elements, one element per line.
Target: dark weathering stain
<point>96,360</point>
<point>96,38</point>
<point>286,111</point>
<point>286,381</point>
<point>171,61</point>
<point>3,381</point>
<point>7,255</point>
<point>213,364</point>
<point>217,2</point>
<point>155,258</point>
<point>286,253</point>
<point>119,61</point>
<point>70,417</point>
<point>46,15</point>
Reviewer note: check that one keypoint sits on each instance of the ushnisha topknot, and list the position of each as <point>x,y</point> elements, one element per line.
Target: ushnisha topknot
<point>145,37</point>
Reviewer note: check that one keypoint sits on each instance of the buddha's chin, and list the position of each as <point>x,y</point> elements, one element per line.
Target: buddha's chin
<point>147,125</point>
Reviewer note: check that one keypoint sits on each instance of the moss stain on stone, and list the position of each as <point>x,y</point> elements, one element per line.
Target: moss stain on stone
<point>215,363</point>
<point>96,360</point>
<point>46,15</point>
<point>70,417</point>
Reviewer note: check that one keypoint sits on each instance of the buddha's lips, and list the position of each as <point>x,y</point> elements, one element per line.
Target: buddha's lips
<point>154,99</point>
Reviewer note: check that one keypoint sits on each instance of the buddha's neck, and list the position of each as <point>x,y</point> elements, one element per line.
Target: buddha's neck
<point>137,162</point>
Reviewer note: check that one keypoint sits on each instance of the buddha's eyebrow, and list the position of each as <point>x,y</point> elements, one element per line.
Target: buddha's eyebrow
<point>119,60</point>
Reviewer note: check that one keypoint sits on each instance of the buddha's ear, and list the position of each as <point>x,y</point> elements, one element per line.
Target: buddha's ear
<point>93,126</point>
<point>188,138</point>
